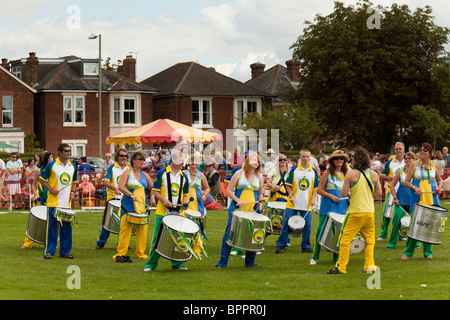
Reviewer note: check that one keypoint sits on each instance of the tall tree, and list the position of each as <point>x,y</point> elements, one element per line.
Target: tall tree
<point>362,81</point>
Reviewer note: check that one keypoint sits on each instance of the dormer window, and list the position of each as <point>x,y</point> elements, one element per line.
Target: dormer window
<point>90,69</point>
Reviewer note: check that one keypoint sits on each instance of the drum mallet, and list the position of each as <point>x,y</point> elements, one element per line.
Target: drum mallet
<point>185,205</point>
<point>262,200</point>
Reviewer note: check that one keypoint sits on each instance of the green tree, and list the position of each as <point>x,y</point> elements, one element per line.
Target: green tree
<point>428,125</point>
<point>296,124</point>
<point>362,82</point>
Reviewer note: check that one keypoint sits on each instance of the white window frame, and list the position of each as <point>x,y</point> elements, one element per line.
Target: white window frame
<point>8,111</point>
<point>121,99</point>
<point>73,110</point>
<point>17,71</point>
<point>90,68</point>
<point>74,144</point>
<point>240,114</point>
<point>202,112</point>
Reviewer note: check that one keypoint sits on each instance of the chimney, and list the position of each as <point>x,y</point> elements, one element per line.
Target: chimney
<point>257,69</point>
<point>32,69</point>
<point>5,63</point>
<point>293,69</point>
<point>129,68</point>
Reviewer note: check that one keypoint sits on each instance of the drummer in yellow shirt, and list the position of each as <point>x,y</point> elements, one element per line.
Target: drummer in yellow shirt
<point>364,185</point>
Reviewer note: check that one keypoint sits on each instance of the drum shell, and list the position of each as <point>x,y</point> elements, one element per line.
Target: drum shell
<point>112,218</point>
<point>36,225</point>
<point>165,246</point>
<point>357,245</point>
<point>331,230</point>
<point>241,236</point>
<point>275,212</point>
<point>389,207</point>
<point>427,223</point>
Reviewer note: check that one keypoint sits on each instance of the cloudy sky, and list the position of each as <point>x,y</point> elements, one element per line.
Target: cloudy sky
<point>227,35</point>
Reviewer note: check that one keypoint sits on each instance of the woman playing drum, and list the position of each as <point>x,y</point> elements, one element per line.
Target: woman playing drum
<point>246,186</point>
<point>330,187</point>
<point>132,184</point>
<point>197,182</point>
<point>402,198</point>
<point>426,179</point>
<point>276,180</point>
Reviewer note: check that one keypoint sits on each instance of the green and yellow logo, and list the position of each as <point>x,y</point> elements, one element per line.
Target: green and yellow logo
<point>277,221</point>
<point>64,178</point>
<point>175,189</point>
<point>181,245</point>
<point>258,236</point>
<point>303,184</point>
<point>442,226</point>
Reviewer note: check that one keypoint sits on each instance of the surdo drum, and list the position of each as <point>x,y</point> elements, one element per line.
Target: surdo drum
<point>37,223</point>
<point>248,231</point>
<point>175,238</point>
<point>275,212</point>
<point>428,223</point>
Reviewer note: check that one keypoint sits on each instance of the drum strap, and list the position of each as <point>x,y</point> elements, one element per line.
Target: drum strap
<point>169,189</point>
<point>280,182</point>
<point>368,182</point>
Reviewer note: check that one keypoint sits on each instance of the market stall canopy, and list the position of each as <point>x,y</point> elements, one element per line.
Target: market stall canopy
<point>7,146</point>
<point>162,131</point>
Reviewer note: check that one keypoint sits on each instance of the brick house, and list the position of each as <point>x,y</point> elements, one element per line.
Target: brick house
<point>66,104</point>
<point>192,94</point>
<point>16,102</point>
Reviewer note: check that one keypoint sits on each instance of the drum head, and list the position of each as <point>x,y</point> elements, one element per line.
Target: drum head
<point>296,222</point>
<point>337,217</point>
<point>39,212</point>
<point>250,215</point>
<point>114,203</point>
<point>432,207</point>
<point>138,215</point>
<point>277,205</point>
<point>179,223</point>
<point>66,211</point>
<point>193,214</point>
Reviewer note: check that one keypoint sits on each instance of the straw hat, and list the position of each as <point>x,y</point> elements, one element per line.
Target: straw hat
<point>338,153</point>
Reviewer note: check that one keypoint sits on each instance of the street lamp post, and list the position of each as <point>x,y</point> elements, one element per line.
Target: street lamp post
<point>99,36</point>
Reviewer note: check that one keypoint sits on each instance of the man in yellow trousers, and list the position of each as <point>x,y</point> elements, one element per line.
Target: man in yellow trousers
<point>363,184</point>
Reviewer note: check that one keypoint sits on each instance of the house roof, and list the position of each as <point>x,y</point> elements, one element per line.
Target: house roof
<point>17,79</point>
<point>193,79</point>
<point>67,76</point>
<point>274,81</point>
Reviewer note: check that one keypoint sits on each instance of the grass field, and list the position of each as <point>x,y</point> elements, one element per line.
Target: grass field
<point>25,275</point>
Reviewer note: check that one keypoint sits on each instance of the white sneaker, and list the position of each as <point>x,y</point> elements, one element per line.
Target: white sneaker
<point>182,268</point>
<point>371,269</point>
<point>313,262</point>
<point>233,253</point>
<point>147,269</point>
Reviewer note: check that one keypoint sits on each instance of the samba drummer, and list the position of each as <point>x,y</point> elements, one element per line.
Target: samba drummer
<point>246,186</point>
<point>302,184</point>
<point>276,180</point>
<point>59,178</point>
<point>171,187</point>
<point>111,181</point>
<point>426,180</point>
<point>134,202</point>
<point>330,188</point>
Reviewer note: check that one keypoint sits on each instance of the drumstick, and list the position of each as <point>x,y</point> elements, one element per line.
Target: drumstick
<point>184,204</point>
<point>64,187</point>
<point>262,200</point>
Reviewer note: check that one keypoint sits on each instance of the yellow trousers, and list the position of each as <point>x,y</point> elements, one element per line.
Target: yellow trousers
<point>353,224</point>
<point>125,236</point>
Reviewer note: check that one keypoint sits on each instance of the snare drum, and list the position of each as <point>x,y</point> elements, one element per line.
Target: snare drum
<point>357,245</point>
<point>329,235</point>
<point>389,207</point>
<point>428,223</point>
<point>275,212</point>
<point>137,218</point>
<point>64,214</point>
<point>176,234</point>
<point>37,222</point>
<point>296,224</point>
<point>404,225</point>
<point>194,215</point>
<point>112,218</point>
<point>248,231</point>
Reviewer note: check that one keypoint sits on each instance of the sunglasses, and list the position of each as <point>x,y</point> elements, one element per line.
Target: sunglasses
<point>123,155</point>
<point>339,158</point>
<point>424,150</point>
<point>282,160</point>
<point>66,150</point>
